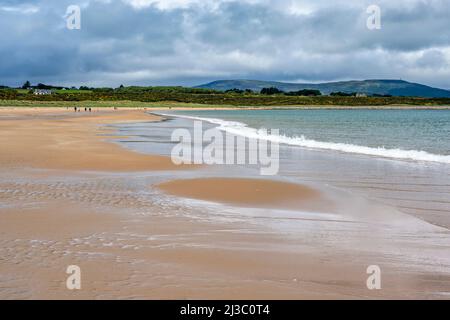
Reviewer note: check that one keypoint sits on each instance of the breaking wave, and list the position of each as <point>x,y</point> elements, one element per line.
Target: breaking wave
<point>239,128</point>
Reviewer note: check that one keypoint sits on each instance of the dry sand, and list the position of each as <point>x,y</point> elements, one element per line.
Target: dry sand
<point>62,139</point>
<point>64,200</point>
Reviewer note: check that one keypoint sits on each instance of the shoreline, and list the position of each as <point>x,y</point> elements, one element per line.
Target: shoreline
<point>91,204</point>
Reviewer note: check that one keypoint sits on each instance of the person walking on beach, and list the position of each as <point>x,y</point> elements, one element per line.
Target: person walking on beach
<point>75,108</point>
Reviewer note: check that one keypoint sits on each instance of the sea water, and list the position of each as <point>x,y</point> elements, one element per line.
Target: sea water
<point>422,135</point>
<point>397,157</point>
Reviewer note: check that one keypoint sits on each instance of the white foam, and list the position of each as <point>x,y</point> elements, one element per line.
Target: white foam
<point>239,128</point>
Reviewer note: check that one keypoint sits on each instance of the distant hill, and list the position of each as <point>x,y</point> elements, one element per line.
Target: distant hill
<point>398,88</point>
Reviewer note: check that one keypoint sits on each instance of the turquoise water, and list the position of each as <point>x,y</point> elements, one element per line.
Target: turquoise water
<point>421,135</point>
<point>339,149</point>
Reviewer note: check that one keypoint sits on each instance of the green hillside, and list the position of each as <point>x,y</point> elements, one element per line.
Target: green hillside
<point>398,88</point>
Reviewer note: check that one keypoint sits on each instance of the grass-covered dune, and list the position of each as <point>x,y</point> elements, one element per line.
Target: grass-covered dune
<point>200,97</point>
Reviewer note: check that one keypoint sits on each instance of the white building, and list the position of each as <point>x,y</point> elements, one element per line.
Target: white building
<point>41,92</point>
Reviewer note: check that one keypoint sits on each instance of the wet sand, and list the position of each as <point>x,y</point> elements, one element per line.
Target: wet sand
<point>256,193</point>
<point>68,196</point>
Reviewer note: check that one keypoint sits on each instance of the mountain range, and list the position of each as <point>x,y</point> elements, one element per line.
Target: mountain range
<point>369,87</point>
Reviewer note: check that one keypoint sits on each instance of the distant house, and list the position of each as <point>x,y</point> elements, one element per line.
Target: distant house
<point>361,95</point>
<point>41,92</point>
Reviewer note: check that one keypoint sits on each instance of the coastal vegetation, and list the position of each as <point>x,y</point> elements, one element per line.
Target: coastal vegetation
<point>268,97</point>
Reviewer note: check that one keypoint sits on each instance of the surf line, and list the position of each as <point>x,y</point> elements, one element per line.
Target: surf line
<point>215,147</point>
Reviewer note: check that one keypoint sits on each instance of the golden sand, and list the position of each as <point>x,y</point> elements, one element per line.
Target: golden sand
<point>258,193</point>
<point>81,212</point>
<point>62,139</point>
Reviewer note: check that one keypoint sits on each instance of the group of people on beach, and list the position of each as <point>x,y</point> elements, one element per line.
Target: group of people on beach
<point>86,109</point>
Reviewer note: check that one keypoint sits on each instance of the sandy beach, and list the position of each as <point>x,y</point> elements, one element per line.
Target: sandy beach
<point>60,139</point>
<point>244,192</point>
<point>69,195</point>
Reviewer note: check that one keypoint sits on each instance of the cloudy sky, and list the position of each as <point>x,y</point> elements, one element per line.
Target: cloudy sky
<point>189,42</point>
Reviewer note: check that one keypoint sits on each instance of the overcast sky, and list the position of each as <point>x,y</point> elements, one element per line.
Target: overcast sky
<point>189,42</point>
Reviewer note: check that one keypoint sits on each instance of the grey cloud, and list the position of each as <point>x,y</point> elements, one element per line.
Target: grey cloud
<point>432,59</point>
<point>202,41</point>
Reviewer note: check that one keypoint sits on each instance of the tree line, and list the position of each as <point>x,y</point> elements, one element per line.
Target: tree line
<point>233,97</point>
<point>187,90</point>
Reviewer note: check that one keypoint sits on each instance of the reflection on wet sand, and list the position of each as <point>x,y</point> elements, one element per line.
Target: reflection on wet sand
<point>133,240</point>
